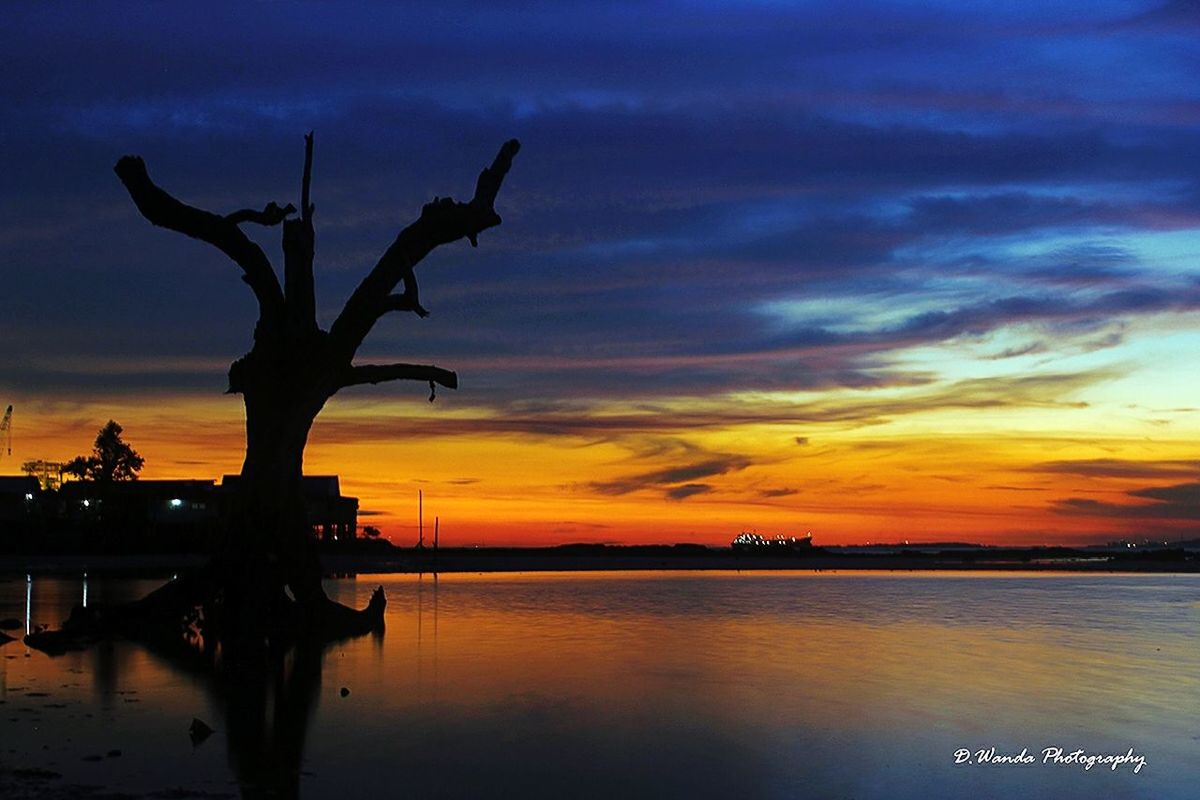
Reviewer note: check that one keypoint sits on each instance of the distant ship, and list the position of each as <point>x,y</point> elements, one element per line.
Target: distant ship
<point>747,542</point>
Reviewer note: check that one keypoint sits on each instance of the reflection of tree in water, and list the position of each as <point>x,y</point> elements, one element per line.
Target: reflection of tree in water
<point>267,694</point>
<point>252,622</point>
<point>267,714</point>
<point>268,704</point>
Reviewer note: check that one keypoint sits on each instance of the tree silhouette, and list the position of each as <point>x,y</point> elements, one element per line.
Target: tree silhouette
<point>111,459</point>
<point>265,577</point>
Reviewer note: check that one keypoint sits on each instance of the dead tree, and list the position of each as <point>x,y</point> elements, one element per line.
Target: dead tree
<point>265,575</point>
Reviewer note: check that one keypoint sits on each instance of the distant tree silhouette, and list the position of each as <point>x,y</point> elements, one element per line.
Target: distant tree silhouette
<point>111,459</point>
<point>265,579</point>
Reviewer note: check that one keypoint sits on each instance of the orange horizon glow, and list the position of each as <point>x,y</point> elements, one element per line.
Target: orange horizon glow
<point>972,475</point>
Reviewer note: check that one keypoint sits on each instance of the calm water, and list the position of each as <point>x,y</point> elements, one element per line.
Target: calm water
<point>649,685</point>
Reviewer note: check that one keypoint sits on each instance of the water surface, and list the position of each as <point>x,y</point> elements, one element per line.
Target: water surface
<point>756,685</point>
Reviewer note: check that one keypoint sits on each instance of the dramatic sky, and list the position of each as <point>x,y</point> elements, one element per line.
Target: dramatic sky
<point>880,271</point>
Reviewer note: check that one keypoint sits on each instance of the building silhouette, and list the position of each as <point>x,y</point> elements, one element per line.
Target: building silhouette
<point>155,514</point>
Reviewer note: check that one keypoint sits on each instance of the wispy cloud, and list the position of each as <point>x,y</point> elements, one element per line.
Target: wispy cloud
<point>594,422</point>
<point>677,482</point>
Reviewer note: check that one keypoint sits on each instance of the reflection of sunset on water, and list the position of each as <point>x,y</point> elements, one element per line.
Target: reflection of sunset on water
<point>705,682</point>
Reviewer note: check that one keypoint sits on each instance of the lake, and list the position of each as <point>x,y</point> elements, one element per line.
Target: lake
<point>690,685</point>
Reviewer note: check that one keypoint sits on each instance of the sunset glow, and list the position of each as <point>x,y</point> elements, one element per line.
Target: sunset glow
<point>795,269</point>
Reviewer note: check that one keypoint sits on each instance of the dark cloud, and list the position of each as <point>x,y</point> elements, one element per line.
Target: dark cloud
<point>1180,495</point>
<point>783,492</point>
<point>1004,488</point>
<point>1120,468</point>
<point>1176,502</point>
<point>687,490</point>
<point>1010,212</point>
<point>718,464</point>
<point>1033,348</point>
<point>1083,265</point>
<point>1044,309</point>
<point>1174,16</point>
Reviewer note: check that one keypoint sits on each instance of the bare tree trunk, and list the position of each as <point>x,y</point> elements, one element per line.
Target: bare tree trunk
<point>265,580</point>
<point>267,552</point>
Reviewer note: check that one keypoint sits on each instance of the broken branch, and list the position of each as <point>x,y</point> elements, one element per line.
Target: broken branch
<point>164,211</point>
<point>442,221</point>
<point>299,249</point>
<point>402,302</point>
<point>380,373</point>
<point>271,215</point>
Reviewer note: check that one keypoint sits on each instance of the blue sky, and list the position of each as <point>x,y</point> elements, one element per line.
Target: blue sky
<point>768,211</point>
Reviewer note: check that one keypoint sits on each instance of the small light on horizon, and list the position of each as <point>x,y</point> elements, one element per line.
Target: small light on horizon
<point>175,502</point>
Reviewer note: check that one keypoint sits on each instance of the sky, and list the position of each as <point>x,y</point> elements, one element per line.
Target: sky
<point>878,271</point>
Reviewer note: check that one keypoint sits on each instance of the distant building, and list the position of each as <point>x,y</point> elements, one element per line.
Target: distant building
<point>155,502</point>
<point>746,542</point>
<point>332,516</point>
<point>19,496</point>
<point>191,506</point>
<point>48,473</point>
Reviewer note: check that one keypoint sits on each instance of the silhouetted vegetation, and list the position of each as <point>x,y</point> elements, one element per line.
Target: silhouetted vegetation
<point>111,459</point>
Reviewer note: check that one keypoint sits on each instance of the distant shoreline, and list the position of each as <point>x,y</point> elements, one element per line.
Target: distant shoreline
<point>601,558</point>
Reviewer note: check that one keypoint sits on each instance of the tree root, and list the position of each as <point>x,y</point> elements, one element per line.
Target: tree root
<point>193,612</point>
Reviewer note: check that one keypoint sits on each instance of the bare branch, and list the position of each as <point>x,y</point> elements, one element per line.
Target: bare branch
<point>402,302</point>
<point>441,222</point>
<point>163,210</point>
<point>299,248</point>
<point>271,215</point>
<point>306,208</point>
<point>487,186</point>
<point>380,373</point>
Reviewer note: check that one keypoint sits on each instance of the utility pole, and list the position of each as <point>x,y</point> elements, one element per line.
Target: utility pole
<point>420,520</point>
